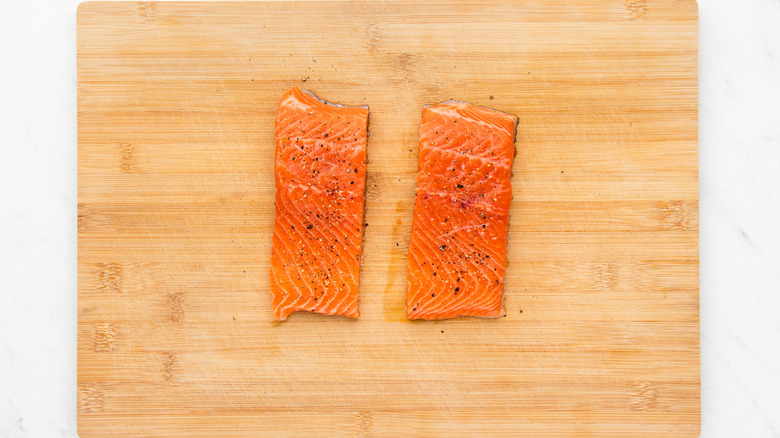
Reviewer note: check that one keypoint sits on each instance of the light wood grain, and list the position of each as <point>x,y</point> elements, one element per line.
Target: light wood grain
<point>176,104</point>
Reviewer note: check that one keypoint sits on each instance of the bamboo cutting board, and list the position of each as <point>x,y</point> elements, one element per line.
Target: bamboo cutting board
<point>176,105</point>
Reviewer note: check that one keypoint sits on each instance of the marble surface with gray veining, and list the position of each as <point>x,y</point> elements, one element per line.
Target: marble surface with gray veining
<point>739,218</point>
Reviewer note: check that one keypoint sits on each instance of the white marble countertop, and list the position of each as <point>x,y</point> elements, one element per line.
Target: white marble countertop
<point>740,218</point>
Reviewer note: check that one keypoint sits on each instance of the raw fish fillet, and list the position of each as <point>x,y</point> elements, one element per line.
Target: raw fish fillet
<point>320,175</point>
<point>458,246</point>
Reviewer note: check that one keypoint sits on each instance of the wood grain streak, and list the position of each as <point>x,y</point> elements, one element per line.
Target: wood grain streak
<point>109,277</point>
<point>104,336</point>
<point>637,9</point>
<point>176,105</point>
<point>90,398</point>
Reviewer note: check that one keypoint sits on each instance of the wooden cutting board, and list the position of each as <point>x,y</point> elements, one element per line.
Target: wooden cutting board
<point>176,106</point>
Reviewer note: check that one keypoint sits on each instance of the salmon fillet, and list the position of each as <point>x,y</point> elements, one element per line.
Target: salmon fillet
<point>320,175</point>
<point>457,251</point>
